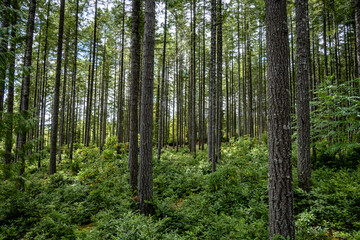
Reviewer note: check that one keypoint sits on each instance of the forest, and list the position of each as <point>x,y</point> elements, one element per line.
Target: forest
<point>171,119</point>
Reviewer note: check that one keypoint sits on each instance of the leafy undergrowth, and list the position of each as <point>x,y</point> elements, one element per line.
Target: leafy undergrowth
<point>89,198</point>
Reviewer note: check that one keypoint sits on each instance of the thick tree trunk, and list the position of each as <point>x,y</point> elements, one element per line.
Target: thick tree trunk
<point>146,117</point>
<point>302,80</point>
<point>281,211</point>
<point>134,92</point>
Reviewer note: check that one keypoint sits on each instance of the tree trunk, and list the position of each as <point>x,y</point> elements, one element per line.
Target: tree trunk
<point>8,157</point>
<point>63,101</point>
<point>134,92</point>
<point>146,117</point>
<point>120,132</point>
<point>162,93</point>
<point>5,23</point>
<point>212,89</point>
<point>357,30</point>
<point>281,211</point>
<point>302,80</point>
<point>25,87</point>
<point>219,82</point>
<point>90,87</point>
<point>55,111</point>
<point>73,97</point>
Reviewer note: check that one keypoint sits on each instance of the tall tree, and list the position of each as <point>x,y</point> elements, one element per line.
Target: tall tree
<point>219,82</point>
<point>146,116</point>
<point>55,111</point>
<point>134,93</point>
<point>281,210</point>
<point>162,93</point>
<point>10,99</point>
<point>302,90</point>
<point>212,90</point>
<point>120,134</point>
<point>25,87</point>
<point>91,85</point>
<point>192,83</point>
<point>73,83</point>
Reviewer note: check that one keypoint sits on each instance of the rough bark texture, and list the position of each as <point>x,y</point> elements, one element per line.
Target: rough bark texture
<point>302,90</point>
<point>134,94</point>
<point>25,85</point>
<point>55,111</point>
<point>357,26</point>
<point>146,117</point>
<point>281,211</point>
<point>212,81</point>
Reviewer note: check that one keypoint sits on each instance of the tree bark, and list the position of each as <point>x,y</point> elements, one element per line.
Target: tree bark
<point>25,87</point>
<point>162,94</point>
<point>281,211</point>
<point>146,117</point>
<point>212,89</point>
<point>219,82</point>
<point>55,111</point>
<point>134,92</point>
<point>73,84</point>
<point>302,80</point>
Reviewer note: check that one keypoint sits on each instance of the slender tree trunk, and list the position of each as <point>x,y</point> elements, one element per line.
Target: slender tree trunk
<point>120,132</point>
<point>73,97</point>
<point>63,101</point>
<point>212,89</point>
<point>91,85</point>
<point>281,210</point>
<point>146,117</point>
<point>162,93</point>
<point>357,31</point>
<point>219,82</point>
<point>25,87</point>
<point>260,100</point>
<point>134,91</point>
<point>55,111</point>
<point>250,100</point>
<point>5,23</point>
<point>239,71</point>
<point>8,158</point>
<point>324,39</point>
<point>302,80</point>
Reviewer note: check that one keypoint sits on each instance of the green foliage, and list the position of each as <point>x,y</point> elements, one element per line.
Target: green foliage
<point>335,125</point>
<point>95,201</point>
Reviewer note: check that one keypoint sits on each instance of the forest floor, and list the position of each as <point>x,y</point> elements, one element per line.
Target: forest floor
<point>90,198</point>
